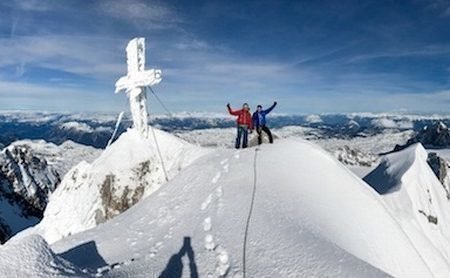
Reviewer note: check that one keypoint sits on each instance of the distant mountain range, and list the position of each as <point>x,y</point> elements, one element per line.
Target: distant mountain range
<point>96,129</point>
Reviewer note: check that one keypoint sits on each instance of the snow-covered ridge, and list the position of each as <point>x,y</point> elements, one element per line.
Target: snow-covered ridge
<point>412,192</point>
<point>306,207</point>
<point>60,157</point>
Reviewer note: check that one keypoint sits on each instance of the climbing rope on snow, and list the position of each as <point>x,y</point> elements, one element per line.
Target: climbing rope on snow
<point>244,252</point>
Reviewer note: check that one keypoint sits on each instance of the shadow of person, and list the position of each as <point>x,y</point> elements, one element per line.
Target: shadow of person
<point>85,255</point>
<point>174,268</point>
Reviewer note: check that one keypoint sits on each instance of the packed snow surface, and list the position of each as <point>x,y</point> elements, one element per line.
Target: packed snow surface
<point>33,257</point>
<point>312,218</point>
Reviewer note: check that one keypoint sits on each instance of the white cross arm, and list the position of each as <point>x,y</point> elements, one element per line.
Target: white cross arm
<point>138,79</point>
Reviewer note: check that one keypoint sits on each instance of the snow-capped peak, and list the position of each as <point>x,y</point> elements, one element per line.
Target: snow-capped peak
<point>127,171</point>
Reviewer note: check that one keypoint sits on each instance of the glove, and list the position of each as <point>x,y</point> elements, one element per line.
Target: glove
<point>228,105</point>
<point>275,102</point>
<point>250,131</point>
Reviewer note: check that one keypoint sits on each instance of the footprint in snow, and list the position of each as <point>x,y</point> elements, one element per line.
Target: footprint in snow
<point>216,178</point>
<point>152,252</point>
<point>224,161</point>
<point>209,242</point>
<point>238,275</point>
<point>207,225</point>
<point>223,262</point>
<point>226,168</point>
<point>206,203</point>
<point>219,191</point>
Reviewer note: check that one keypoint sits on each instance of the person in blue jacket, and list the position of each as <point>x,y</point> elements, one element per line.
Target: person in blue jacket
<point>259,122</point>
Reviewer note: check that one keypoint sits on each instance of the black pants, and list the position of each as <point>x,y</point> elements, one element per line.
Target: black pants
<point>267,131</point>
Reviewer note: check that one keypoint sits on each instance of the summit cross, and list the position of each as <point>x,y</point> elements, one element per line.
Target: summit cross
<point>135,84</point>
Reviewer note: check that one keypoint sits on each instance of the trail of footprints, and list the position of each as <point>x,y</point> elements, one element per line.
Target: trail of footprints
<point>223,262</point>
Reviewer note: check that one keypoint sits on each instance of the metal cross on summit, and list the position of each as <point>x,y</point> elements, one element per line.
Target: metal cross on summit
<point>135,84</point>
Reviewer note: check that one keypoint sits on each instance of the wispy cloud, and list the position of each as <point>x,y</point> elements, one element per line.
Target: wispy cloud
<point>424,50</point>
<point>145,15</point>
<point>52,97</point>
<point>34,5</point>
<point>440,6</point>
<point>88,56</point>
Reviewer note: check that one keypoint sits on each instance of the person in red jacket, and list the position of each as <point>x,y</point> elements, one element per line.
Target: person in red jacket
<point>244,124</point>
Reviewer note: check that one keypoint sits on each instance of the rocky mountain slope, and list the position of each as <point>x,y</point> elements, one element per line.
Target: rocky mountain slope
<point>29,172</point>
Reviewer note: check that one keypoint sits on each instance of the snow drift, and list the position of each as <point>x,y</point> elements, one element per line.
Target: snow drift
<point>32,257</point>
<point>312,217</point>
<point>125,172</point>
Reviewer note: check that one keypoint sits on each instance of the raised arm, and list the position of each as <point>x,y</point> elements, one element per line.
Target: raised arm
<point>234,113</point>
<point>267,111</point>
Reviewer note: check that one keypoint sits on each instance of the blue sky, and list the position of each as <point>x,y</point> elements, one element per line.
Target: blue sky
<point>310,56</point>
